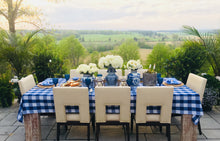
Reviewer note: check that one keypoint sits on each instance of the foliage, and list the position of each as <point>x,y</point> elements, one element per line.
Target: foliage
<point>47,65</point>
<point>211,93</point>
<point>212,46</point>
<point>95,57</point>
<point>46,61</point>
<point>72,50</point>
<point>189,58</point>
<point>6,91</point>
<point>15,49</point>
<point>158,56</point>
<point>129,50</point>
<point>13,10</point>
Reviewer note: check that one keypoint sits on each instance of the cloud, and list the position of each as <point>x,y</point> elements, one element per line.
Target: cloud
<point>130,14</point>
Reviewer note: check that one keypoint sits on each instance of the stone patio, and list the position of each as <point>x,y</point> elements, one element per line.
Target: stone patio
<point>12,130</point>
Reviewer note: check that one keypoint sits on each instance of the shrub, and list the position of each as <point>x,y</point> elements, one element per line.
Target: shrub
<point>6,92</point>
<point>211,93</point>
<point>44,69</point>
<point>189,58</point>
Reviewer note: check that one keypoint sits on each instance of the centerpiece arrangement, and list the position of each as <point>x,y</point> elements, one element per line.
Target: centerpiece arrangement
<point>133,78</point>
<point>111,62</point>
<point>150,77</point>
<point>87,71</point>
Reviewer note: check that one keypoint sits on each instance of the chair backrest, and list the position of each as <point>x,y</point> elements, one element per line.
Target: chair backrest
<point>154,96</point>
<point>26,83</point>
<point>105,96</point>
<point>197,84</point>
<point>71,96</point>
<point>127,72</point>
<point>75,73</point>
<point>141,71</point>
<point>103,72</point>
<point>119,72</point>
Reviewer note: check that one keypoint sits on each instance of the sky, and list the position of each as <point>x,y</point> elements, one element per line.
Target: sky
<point>129,14</point>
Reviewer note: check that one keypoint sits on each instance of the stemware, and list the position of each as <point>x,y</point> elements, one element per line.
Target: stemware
<point>55,81</point>
<point>67,77</point>
<point>88,82</point>
<point>160,81</point>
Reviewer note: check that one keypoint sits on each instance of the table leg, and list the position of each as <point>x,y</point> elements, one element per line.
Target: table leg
<point>32,127</point>
<point>188,131</point>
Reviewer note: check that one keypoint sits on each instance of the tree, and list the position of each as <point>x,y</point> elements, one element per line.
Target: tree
<point>211,45</point>
<point>15,49</point>
<point>95,57</point>
<point>129,50</point>
<point>71,49</point>
<point>13,10</point>
<point>188,58</point>
<point>158,56</point>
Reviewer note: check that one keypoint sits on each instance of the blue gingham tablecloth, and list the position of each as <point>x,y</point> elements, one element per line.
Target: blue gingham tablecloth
<point>40,100</point>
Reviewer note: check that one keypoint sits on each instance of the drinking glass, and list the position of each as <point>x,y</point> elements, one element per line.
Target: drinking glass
<point>55,81</point>
<point>88,82</point>
<point>67,77</point>
<point>160,81</point>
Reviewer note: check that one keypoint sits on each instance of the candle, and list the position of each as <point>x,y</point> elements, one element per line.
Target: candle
<point>154,67</point>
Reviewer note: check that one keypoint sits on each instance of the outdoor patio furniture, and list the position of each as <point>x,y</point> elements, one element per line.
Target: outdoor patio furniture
<point>154,96</point>
<point>74,73</point>
<point>198,84</point>
<point>103,72</point>
<point>108,96</point>
<point>185,102</point>
<point>71,96</point>
<point>27,83</point>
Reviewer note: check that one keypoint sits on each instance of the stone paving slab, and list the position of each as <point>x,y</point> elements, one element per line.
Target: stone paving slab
<point>12,130</point>
<point>18,135</point>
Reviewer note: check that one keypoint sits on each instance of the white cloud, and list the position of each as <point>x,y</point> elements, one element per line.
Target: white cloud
<point>131,14</point>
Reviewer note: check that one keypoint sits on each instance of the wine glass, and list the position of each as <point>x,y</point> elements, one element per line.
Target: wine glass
<point>88,82</point>
<point>160,81</point>
<point>67,77</point>
<point>55,81</point>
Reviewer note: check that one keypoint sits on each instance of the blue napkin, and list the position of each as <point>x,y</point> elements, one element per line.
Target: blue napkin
<point>172,81</point>
<point>46,83</point>
<point>75,78</point>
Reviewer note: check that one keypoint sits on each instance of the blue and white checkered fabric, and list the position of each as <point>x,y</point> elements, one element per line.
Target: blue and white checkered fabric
<point>40,100</point>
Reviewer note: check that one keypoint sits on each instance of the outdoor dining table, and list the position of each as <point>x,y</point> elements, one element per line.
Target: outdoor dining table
<point>40,101</point>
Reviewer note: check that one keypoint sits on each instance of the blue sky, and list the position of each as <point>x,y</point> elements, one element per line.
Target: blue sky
<point>129,14</point>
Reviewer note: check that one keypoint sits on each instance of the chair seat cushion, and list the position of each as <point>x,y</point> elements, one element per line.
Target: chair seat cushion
<point>112,117</point>
<point>72,117</point>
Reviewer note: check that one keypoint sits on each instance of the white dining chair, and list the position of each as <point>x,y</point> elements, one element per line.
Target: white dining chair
<point>103,72</point>
<point>72,96</point>
<point>75,73</point>
<point>109,96</point>
<point>197,84</point>
<point>154,96</point>
<point>26,83</point>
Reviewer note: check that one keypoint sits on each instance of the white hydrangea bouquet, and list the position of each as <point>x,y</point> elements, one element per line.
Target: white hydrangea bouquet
<point>134,65</point>
<point>110,60</point>
<point>87,69</point>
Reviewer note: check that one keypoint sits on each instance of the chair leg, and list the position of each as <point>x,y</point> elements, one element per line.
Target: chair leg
<point>161,129</point>
<point>58,131</point>
<point>93,123</point>
<point>168,132</point>
<point>128,135</point>
<point>97,132</point>
<point>88,132</point>
<point>132,118</point>
<point>199,128</point>
<point>136,132</point>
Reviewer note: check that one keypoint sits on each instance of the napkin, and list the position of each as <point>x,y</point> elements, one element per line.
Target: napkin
<point>172,81</point>
<point>46,83</point>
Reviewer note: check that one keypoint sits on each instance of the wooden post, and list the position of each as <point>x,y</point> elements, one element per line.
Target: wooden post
<point>32,127</point>
<point>188,131</point>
